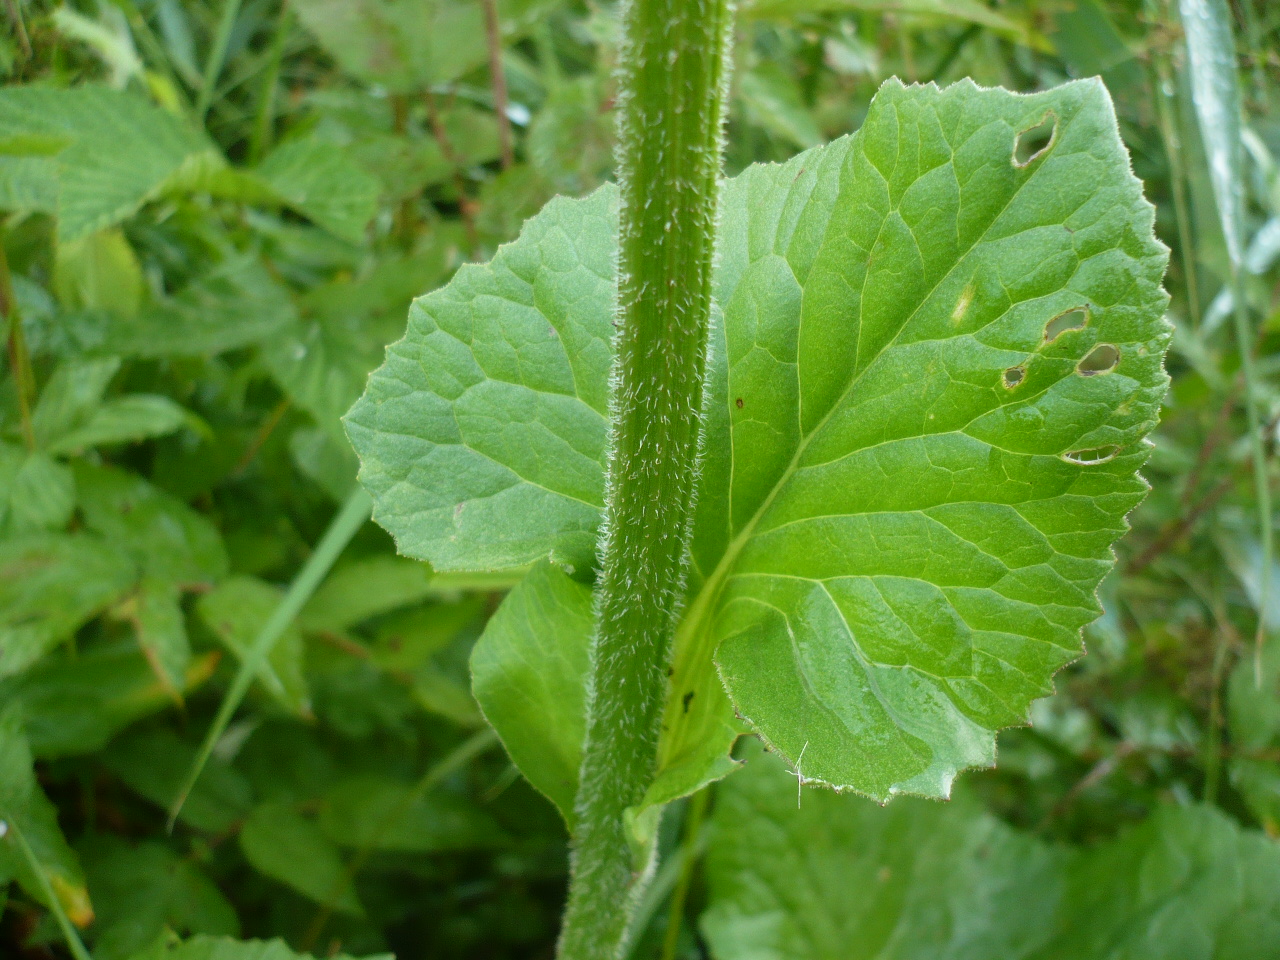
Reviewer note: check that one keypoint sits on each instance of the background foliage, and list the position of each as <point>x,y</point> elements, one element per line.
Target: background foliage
<point>215,217</point>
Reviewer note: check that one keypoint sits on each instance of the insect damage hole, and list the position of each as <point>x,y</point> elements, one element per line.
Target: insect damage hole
<point>1035,141</point>
<point>1071,320</point>
<point>1014,376</point>
<point>1101,359</point>
<point>1091,457</point>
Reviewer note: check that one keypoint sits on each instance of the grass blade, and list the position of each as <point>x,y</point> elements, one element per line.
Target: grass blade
<point>1215,93</point>
<point>217,56</point>
<point>343,527</point>
<point>69,934</point>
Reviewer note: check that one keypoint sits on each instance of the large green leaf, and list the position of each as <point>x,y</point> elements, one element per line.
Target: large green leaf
<point>841,878</point>
<point>935,359</point>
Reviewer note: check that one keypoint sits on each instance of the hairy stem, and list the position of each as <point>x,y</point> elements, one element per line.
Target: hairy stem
<point>671,105</point>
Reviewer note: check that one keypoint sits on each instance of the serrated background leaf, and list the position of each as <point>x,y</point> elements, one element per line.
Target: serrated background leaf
<point>836,877</point>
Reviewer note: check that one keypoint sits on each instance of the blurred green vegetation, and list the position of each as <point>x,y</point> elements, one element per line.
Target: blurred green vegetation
<point>215,216</point>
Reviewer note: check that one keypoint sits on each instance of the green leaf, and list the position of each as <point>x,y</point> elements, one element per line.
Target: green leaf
<point>169,541</point>
<point>152,763</point>
<point>482,437</point>
<point>36,492</point>
<point>71,396</point>
<point>122,152</point>
<point>123,420</point>
<point>529,672</point>
<point>236,612</point>
<point>99,272</point>
<point>1187,882</point>
<point>286,846</point>
<point>322,361</point>
<point>138,892</point>
<point>363,589</point>
<point>407,640</point>
<point>51,584</point>
<point>912,476</point>
<point>235,303</point>
<point>970,11</point>
<point>162,629</point>
<point>224,948</point>
<point>1253,718</point>
<point>410,44</point>
<point>373,813</point>
<point>75,705</point>
<point>773,101</point>
<point>24,806</point>
<point>915,879</point>
<point>317,180</point>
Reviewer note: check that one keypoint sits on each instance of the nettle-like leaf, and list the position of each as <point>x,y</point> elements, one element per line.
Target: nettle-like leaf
<point>935,355</point>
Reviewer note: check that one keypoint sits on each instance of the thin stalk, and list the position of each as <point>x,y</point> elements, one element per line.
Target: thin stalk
<point>1262,486</point>
<point>217,57</point>
<point>69,934</point>
<point>493,38</point>
<point>341,529</point>
<point>1177,186</point>
<point>19,358</point>
<point>664,883</point>
<point>156,53</point>
<point>1213,735</point>
<point>19,28</point>
<point>692,834</point>
<point>465,208</point>
<point>672,72</point>
<point>260,137</point>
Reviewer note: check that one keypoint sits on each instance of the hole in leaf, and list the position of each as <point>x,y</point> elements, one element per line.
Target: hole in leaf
<point>1014,376</point>
<point>1101,359</point>
<point>1071,320</point>
<point>1092,456</point>
<point>1035,141</point>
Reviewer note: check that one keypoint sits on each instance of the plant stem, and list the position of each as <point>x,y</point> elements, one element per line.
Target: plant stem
<point>260,137</point>
<point>692,835</point>
<point>217,56</point>
<point>493,38</point>
<point>74,944</point>
<point>341,529</point>
<point>672,68</point>
<point>19,359</point>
